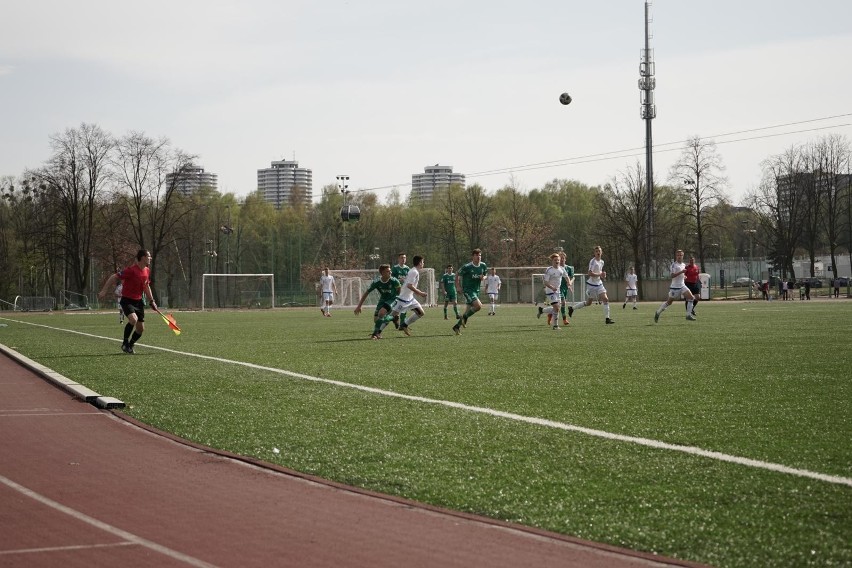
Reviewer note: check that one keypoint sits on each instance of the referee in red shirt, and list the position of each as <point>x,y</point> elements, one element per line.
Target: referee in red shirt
<point>690,278</point>
<point>136,281</point>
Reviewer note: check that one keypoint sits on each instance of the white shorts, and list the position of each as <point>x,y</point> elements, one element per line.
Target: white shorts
<point>493,296</point>
<point>594,290</point>
<point>328,297</point>
<point>399,305</point>
<point>631,292</point>
<point>677,293</point>
<point>553,296</point>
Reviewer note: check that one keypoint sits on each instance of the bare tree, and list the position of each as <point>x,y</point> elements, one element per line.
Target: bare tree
<point>75,176</point>
<point>475,211</point>
<point>143,166</point>
<point>624,214</point>
<point>832,159</point>
<point>699,169</point>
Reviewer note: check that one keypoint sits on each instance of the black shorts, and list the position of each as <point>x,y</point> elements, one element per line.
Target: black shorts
<point>129,306</point>
<point>694,287</point>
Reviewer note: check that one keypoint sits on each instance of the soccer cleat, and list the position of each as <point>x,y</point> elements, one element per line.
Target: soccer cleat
<point>457,329</point>
<point>322,311</point>
<point>691,317</point>
<point>540,311</point>
<point>464,322</point>
<point>609,321</point>
<point>446,318</point>
<point>128,349</point>
<point>570,311</point>
<point>635,308</point>
<point>374,336</point>
<point>656,317</point>
<point>694,314</point>
<point>565,321</point>
<point>395,320</point>
<point>624,305</point>
<point>404,329</point>
<point>556,328</point>
<point>124,347</point>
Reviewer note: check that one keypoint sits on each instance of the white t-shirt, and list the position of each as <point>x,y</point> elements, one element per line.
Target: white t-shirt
<point>677,281</point>
<point>492,284</point>
<point>327,283</point>
<point>595,265</point>
<point>553,276</point>
<point>413,278</point>
<point>631,281</point>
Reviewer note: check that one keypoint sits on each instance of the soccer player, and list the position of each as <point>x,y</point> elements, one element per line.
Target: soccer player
<point>388,288</point>
<point>136,282</point>
<point>406,300</point>
<point>399,271</point>
<point>448,285</point>
<point>631,291</point>
<point>117,294</point>
<point>690,279</point>
<point>677,289</point>
<point>595,289</point>
<point>469,279</point>
<point>492,288</point>
<point>553,278</point>
<point>329,289</point>
<point>565,286</point>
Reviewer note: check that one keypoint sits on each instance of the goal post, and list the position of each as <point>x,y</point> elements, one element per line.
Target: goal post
<point>237,291</point>
<point>351,285</point>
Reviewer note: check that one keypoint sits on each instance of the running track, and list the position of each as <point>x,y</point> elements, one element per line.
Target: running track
<point>80,486</point>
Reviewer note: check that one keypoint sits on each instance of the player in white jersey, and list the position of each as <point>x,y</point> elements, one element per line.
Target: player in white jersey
<point>492,288</point>
<point>329,289</point>
<point>594,286</point>
<point>406,302</point>
<point>553,277</point>
<point>677,289</point>
<point>631,291</point>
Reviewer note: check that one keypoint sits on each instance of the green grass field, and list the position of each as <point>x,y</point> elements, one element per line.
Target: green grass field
<point>764,381</point>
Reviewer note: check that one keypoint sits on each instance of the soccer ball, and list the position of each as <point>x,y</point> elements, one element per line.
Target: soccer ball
<point>565,99</point>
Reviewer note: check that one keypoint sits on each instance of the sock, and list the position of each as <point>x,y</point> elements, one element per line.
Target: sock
<point>134,338</point>
<point>579,305</point>
<point>562,311</point>
<point>549,310</point>
<point>402,318</point>
<point>689,304</point>
<point>493,308</point>
<point>662,308</point>
<point>411,319</point>
<point>469,313</point>
<point>128,329</point>
<point>445,310</point>
<point>456,310</point>
<point>606,310</point>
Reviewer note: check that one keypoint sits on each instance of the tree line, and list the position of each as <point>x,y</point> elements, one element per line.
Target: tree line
<point>66,225</point>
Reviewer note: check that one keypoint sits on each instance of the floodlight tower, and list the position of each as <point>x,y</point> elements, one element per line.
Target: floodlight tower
<point>647,83</point>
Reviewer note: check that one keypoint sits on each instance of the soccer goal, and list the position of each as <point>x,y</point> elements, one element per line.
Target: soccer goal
<point>34,303</point>
<point>537,288</point>
<point>237,291</point>
<point>351,284</point>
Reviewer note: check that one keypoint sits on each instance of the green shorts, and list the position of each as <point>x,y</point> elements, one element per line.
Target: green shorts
<point>450,296</point>
<point>470,296</point>
<point>379,307</point>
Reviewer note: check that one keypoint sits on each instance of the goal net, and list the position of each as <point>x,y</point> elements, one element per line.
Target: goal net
<point>575,295</point>
<point>237,291</point>
<point>351,284</point>
<point>34,303</point>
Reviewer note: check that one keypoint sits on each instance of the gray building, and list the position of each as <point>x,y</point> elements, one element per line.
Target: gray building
<point>191,178</point>
<point>284,183</point>
<point>434,177</point>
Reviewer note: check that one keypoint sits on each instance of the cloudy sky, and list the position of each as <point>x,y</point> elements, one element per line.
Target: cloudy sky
<point>379,89</point>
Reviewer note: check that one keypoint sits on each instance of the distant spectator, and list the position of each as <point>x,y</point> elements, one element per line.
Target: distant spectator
<point>836,287</point>
<point>807,290</point>
<point>784,290</point>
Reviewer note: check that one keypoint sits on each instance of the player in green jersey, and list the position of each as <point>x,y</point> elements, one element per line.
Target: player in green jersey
<point>448,285</point>
<point>388,289</point>
<point>564,287</point>
<point>469,279</point>
<point>400,271</point>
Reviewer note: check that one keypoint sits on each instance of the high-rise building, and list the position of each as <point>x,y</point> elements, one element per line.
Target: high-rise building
<point>188,180</point>
<point>434,177</point>
<point>284,183</point>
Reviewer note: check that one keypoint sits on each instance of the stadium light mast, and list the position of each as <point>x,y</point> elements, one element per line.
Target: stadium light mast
<point>647,83</point>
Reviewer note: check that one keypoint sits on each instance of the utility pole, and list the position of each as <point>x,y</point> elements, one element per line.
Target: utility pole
<point>647,83</point>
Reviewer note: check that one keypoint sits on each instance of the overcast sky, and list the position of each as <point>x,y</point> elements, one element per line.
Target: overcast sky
<point>379,89</point>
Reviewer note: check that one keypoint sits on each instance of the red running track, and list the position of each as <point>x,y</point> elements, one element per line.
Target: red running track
<point>81,486</point>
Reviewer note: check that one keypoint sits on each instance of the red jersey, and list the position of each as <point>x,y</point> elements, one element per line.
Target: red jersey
<point>134,281</point>
<point>691,274</point>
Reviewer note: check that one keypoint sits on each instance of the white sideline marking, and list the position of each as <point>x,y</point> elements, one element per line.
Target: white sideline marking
<point>691,450</point>
<point>64,548</point>
<point>129,537</point>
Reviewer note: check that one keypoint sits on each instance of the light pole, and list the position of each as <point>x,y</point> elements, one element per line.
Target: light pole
<point>343,186</point>
<point>751,233</point>
<point>375,256</point>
